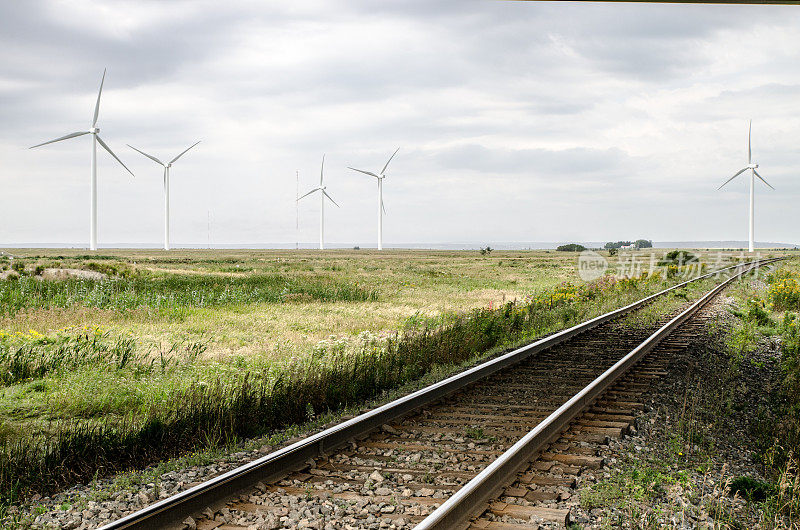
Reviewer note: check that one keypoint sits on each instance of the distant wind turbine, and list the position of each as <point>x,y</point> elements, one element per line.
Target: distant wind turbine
<point>322,195</point>
<point>381,208</point>
<point>166,186</point>
<point>753,174</point>
<point>95,140</point>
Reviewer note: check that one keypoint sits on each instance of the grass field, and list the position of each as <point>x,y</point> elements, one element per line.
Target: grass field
<point>407,284</point>
<point>180,349</point>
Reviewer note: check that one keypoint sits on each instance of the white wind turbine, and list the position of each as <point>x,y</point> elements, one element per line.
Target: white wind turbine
<point>166,186</point>
<point>381,208</point>
<point>753,174</point>
<point>322,195</point>
<point>95,140</point>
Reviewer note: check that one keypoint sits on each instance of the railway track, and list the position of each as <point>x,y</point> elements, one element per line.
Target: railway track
<point>439,457</point>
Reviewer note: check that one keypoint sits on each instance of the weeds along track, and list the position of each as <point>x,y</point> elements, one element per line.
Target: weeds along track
<point>545,490</point>
<point>436,457</point>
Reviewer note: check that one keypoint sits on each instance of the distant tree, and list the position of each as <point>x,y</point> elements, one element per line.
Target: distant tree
<point>486,251</point>
<point>618,244</point>
<point>643,243</point>
<point>571,247</point>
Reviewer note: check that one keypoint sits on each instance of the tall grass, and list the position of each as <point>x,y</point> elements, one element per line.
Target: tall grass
<point>248,400</point>
<point>36,356</point>
<point>172,291</point>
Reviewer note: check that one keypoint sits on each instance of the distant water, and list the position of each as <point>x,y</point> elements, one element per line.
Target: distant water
<point>499,245</point>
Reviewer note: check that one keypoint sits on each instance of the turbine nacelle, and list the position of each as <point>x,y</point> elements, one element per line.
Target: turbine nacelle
<point>752,166</point>
<point>94,130</point>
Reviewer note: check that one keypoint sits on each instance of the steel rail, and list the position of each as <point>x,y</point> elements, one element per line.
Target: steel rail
<point>171,511</point>
<point>471,499</point>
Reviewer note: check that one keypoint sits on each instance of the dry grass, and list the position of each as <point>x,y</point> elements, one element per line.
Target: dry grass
<point>409,283</point>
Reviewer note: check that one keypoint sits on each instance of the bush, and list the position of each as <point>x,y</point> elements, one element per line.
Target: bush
<point>120,270</point>
<point>751,489</point>
<point>19,267</point>
<point>784,292</point>
<point>757,312</point>
<point>571,247</point>
<point>678,257</point>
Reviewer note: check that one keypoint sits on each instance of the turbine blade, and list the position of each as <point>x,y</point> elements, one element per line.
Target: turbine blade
<point>329,198</point>
<point>180,155</point>
<point>390,159</point>
<point>733,177</point>
<point>762,179</point>
<point>107,148</point>
<point>321,168</point>
<point>97,105</point>
<point>151,157</point>
<point>71,135</point>
<point>371,174</point>
<point>383,207</point>
<point>749,150</point>
<point>307,194</point>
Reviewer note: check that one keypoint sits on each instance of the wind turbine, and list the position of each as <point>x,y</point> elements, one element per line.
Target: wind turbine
<point>166,186</point>
<point>381,208</point>
<point>322,195</point>
<point>95,140</point>
<point>753,174</point>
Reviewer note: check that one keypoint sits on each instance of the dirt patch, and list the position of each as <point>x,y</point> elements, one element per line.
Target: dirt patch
<point>64,274</point>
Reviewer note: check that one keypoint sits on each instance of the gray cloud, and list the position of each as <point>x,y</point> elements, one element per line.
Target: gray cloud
<point>517,120</point>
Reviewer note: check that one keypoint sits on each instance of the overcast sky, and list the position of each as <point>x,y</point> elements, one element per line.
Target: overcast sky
<point>516,121</point>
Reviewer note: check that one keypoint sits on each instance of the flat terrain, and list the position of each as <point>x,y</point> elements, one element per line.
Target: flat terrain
<point>119,358</point>
<point>407,284</point>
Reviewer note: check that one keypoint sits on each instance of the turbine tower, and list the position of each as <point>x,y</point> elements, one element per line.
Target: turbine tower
<point>381,209</point>
<point>753,174</point>
<point>322,195</point>
<point>166,186</point>
<point>94,131</point>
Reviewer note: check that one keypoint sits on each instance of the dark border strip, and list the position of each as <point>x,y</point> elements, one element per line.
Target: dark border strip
<point>171,511</point>
<point>471,499</point>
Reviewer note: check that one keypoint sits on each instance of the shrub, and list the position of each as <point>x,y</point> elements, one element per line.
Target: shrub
<point>678,257</point>
<point>18,266</point>
<point>784,292</point>
<point>751,489</point>
<point>757,312</point>
<point>571,247</point>
<point>120,270</point>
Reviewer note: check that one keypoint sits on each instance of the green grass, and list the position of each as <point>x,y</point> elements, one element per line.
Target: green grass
<point>172,291</point>
<point>292,338</point>
<point>766,309</point>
